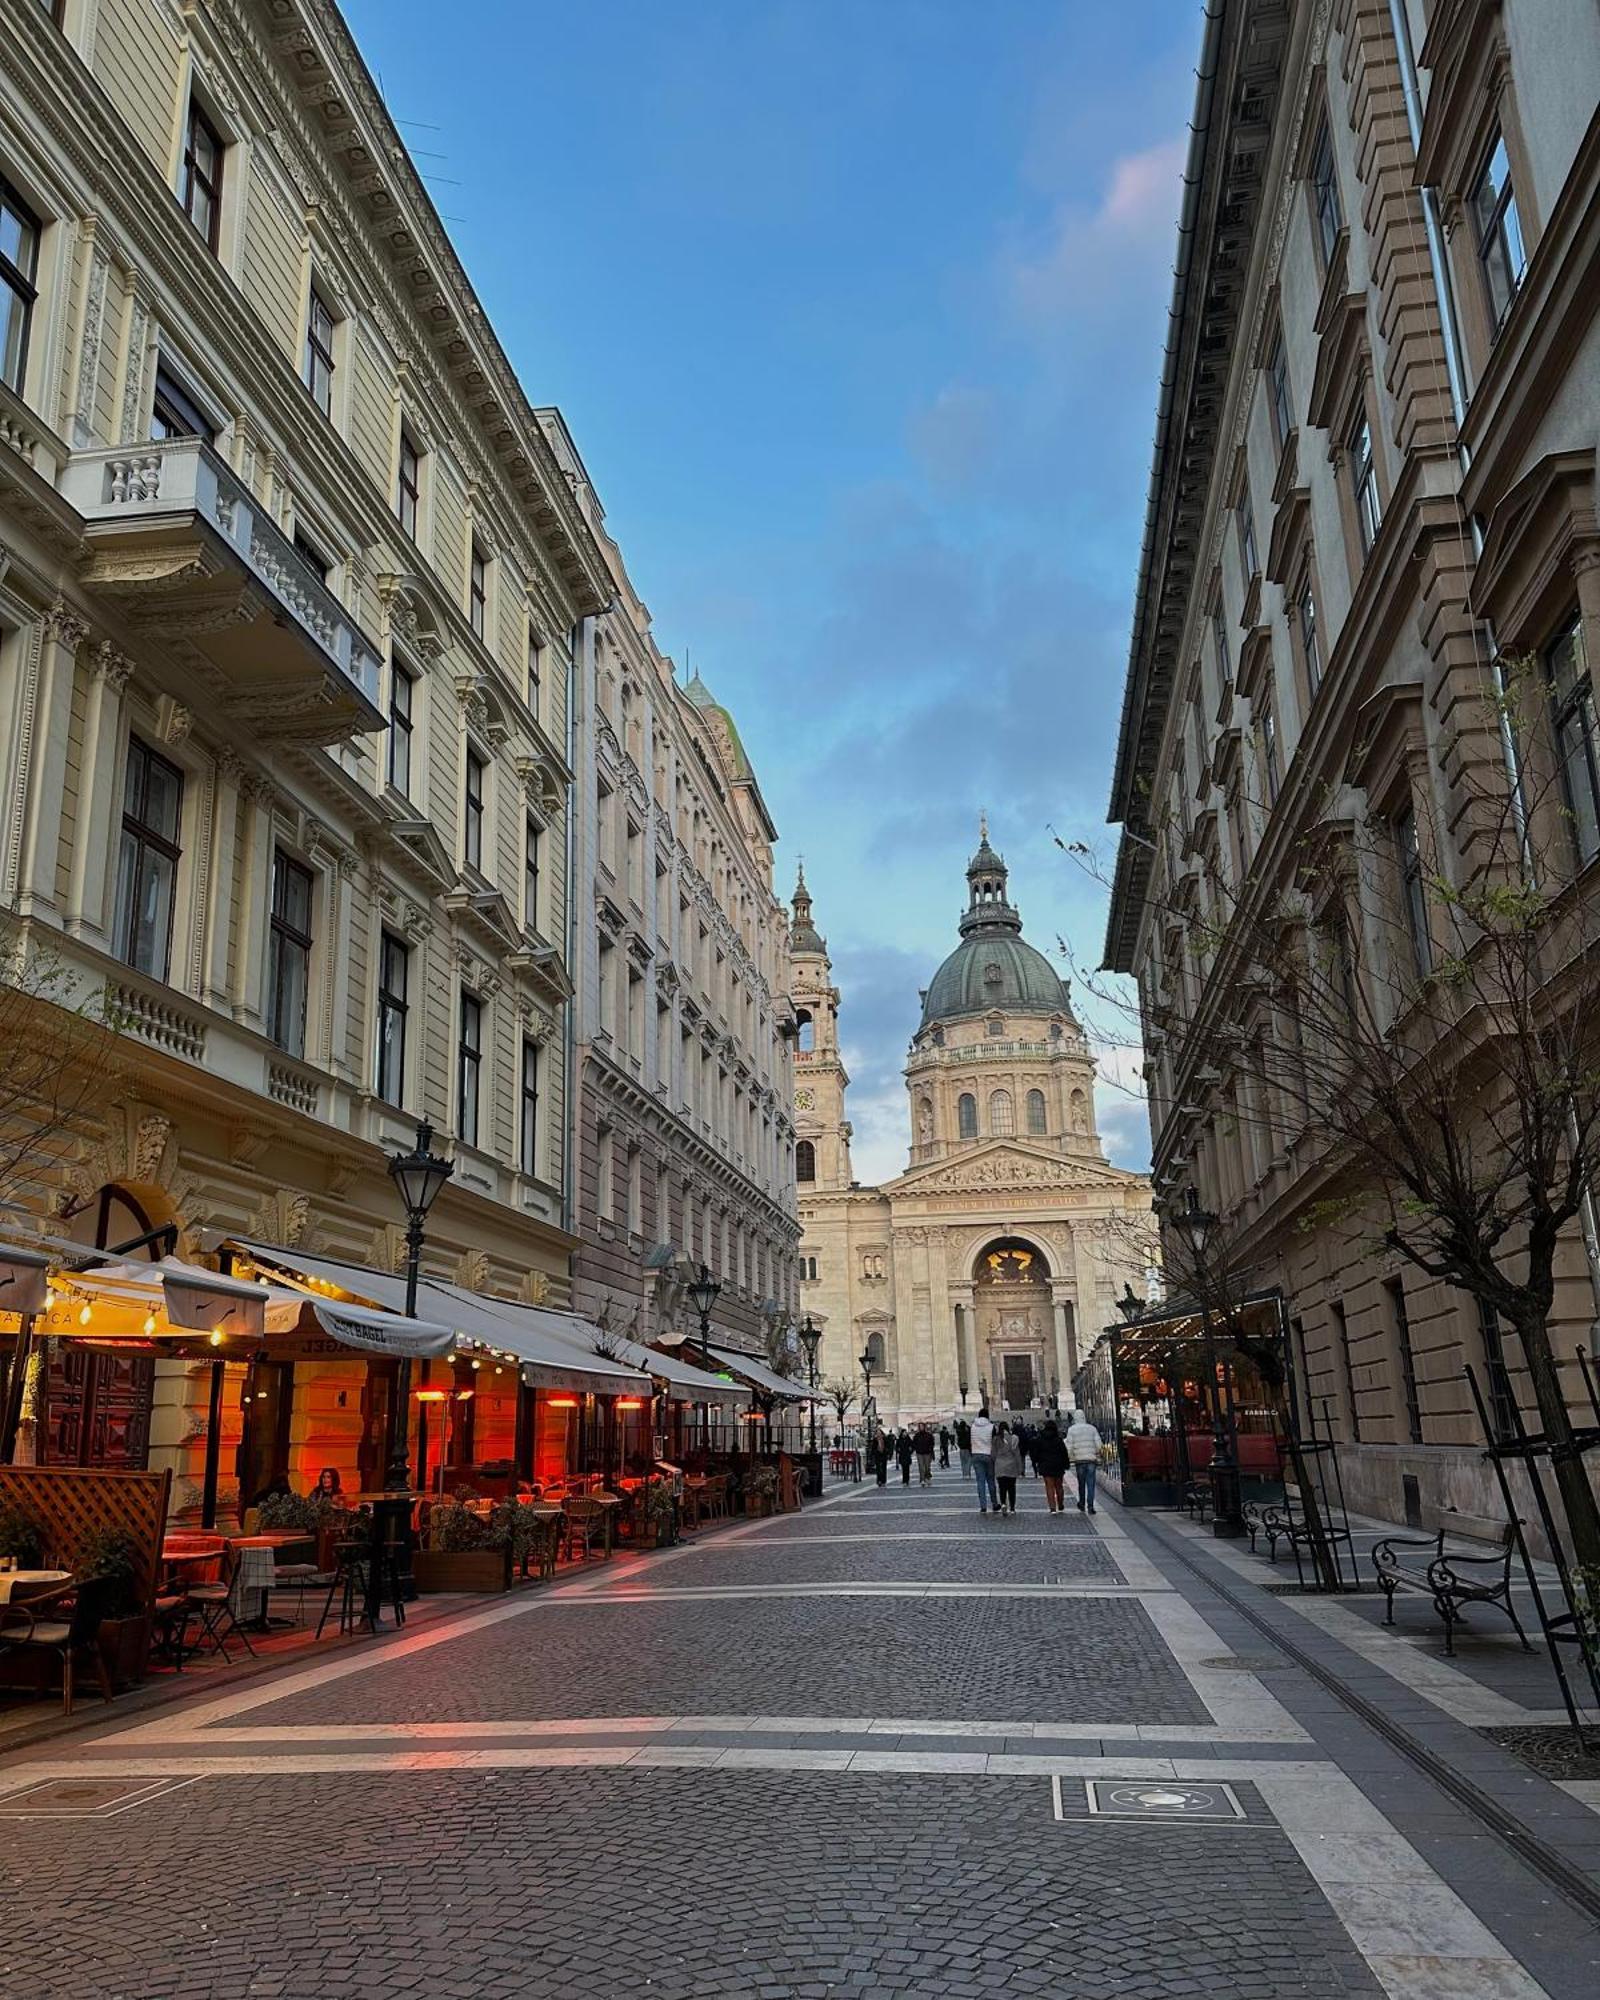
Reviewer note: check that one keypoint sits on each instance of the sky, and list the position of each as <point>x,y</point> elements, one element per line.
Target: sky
<point>855,309</point>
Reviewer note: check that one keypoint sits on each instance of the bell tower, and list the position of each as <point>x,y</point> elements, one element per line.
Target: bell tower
<point>820,1080</point>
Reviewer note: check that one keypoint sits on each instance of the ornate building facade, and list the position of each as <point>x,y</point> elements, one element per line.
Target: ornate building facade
<point>985,1271</point>
<point>683,1068</point>
<point>288,576</point>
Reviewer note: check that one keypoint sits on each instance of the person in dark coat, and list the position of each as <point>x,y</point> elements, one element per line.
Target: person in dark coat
<point>878,1452</point>
<point>944,1446</point>
<point>1050,1456</point>
<point>922,1445</point>
<point>902,1451</point>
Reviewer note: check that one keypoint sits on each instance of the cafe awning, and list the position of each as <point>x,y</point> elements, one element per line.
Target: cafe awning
<point>760,1376</point>
<point>550,1355</point>
<point>682,1380</point>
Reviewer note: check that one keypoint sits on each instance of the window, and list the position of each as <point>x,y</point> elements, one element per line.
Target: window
<point>469,1060</point>
<point>530,876</point>
<point>1269,750</point>
<point>175,414</point>
<point>605,1176</point>
<point>393,968</point>
<point>147,865</point>
<point>535,668</point>
<point>1328,216</point>
<point>1501,251</point>
<point>402,687</point>
<point>1502,1403</point>
<point>805,1161</point>
<point>1572,721</point>
<point>1219,639</point>
<point>1249,561</point>
<point>875,1350</point>
<point>478,591</point>
<point>312,556</point>
<point>1341,1334</point>
<point>808,1268</point>
<point>1002,1112</point>
<point>1396,1291</point>
<point>408,484</point>
<point>967,1116</point>
<point>1278,391</point>
<point>200,180</point>
<point>1409,850</point>
<point>1037,1124</point>
<point>1364,482</point>
<point>472,820</point>
<point>19,267</point>
<point>319,352</point>
<point>289,954</point>
<point>1305,615</point>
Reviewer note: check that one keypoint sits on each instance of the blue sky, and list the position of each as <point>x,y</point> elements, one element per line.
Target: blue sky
<point>855,309</point>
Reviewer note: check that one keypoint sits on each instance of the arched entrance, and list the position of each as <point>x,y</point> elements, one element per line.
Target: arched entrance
<point>1011,1304</point>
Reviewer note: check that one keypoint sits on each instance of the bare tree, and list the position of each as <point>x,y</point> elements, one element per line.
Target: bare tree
<point>841,1394</point>
<point>1412,1020</point>
<point>57,1063</point>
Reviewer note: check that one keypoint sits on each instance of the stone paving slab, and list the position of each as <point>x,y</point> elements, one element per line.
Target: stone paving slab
<point>1073,1659</point>
<point>561,1885</point>
<point>1038,1559</point>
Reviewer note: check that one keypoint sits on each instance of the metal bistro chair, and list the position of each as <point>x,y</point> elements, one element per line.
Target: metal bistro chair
<point>24,1630</point>
<point>348,1583</point>
<point>214,1603</point>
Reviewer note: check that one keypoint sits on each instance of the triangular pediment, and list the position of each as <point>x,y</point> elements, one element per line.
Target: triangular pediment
<point>1005,1165</point>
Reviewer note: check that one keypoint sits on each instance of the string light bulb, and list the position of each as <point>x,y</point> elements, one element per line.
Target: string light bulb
<point>216,1336</point>
<point>149,1324</point>
<point>85,1313</point>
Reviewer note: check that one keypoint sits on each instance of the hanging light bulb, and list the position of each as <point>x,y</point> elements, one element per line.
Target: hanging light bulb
<point>85,1313</point>
<point>216,1336</point>
<point>149,1323</point>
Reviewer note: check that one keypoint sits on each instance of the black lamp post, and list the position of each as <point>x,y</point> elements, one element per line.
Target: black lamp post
<point>810,1340</point>
<point>1130,1305</point>
<point>419,1175</point>
<point>866,1370</point>
<point>703,1295</point>
<point>1227,1514</point>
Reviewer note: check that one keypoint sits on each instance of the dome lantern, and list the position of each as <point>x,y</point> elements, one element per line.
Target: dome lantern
<point>993,970</point>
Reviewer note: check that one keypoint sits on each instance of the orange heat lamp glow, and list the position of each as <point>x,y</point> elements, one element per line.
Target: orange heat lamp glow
<point>465,1395</point>
<point>630,1402</point>
<point>563,1402</point>
<point>431,1395</point>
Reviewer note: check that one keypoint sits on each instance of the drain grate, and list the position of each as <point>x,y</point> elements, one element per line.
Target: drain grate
<point>1246,1663</point>
<point>86,1798</point>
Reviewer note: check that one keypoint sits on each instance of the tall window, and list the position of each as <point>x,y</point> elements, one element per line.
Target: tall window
<point>1249,561</point>
<point>1002,1112</point>
<point>402,689</point>
<point>1325,207</point>
<point>469,1061</point>
<point>1395,1288</point>
<point>19,267</point>
<point>394,966</point>
<point>200,182</point>
<point>319,352</point>
<point>1219,638</point>
<point>408,483</point>
<point>530,1107</point>
<point>175,413</point>
<point>1364,481</point>
<point>312,556</point>
<point>478,591</point>
<point>472,822</point>
<point>1501,251</point>
<point>1278,391</point>
<point>530,876</point>
<point>535,668</point>
<point>1305,613</point>
<point>967,1116</point>
<point>1572,719</point>
<point>1270,771</point>
<point>147,864</point>
<point>1036,1114</point>
<point>1409,850</point>
<point>1347,1370</point>
<point>805,1161</point>
<point>289,954</point>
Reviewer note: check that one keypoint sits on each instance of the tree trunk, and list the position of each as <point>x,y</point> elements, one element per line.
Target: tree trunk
<point>1578,1500</point>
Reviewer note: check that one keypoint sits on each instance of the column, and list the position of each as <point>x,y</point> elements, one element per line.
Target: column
<point>1066,1339</point>
<point>335,1032</point>
<point>966,1359</point>
<point>219,886</point>
<point>255,900</point>
<point>99,784</point>
<point>1088,1270</point>
<point>42,759</point>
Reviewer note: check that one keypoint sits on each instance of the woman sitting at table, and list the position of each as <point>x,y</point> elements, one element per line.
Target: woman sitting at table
<point>327,1489</point>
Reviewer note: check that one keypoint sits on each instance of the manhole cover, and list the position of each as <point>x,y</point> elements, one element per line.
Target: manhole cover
<point>85,1798</point>
<point>1147,1800</point>
<point>1242,1663</point>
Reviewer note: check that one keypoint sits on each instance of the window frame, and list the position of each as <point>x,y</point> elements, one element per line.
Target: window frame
<point>1413,888</point>
<point>1278,394</point>
<point>478,590</point>
<point>533,834</point>
<point>805,1151</point>
<point>284,936</point>
<point>1249,552</point>
<point>1267,728</point>
<point>475,770</point>
<point>23,285</point>
<point>1307,632</point>
<point>1327,205</point>
<point>393,1006</point>
<point>408,482</point>
<point>317,351</point>
<point>1576,704</point>
<point>1366,496</point>
<point>183,418</point>
<point>1041,1130</point>
<point>402,721</point>
<point>191,176</point>
<point>528,1107</point>
<point>967,1115</point>
<point>469,1067</point>
<point>1489,232</point>
<point>146,839</point>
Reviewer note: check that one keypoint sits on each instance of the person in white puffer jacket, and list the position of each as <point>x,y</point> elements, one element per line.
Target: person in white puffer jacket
<point>1083,1448</point>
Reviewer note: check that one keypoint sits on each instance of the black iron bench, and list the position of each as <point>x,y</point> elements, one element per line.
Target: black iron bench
<point>1286,1522</point>
<point>1452,1580</point>
<point>1197,1499</point>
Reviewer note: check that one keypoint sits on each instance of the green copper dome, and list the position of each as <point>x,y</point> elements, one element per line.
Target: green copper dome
<point>992,968</point>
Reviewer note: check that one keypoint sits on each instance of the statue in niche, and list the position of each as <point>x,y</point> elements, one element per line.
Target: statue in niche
<point>925,1121</point>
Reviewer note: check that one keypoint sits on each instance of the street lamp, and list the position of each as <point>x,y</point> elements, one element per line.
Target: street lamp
<point>1130,1305</point>
<point>419,1175</point>
<point>810,1340</point>
<point>1198,1224</point>
<point>703,1295</point>
<point>866,1370</point>
<point>964,1392</point>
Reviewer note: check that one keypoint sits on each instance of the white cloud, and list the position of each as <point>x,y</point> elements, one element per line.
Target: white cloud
<point>1093,258</point>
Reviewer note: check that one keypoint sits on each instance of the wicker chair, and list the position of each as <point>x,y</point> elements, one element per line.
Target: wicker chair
<point>588,1520</point>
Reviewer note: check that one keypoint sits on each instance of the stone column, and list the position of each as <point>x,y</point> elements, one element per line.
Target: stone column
<point>219,887</point>
<point>99,784</point>
<point>1086,1265</point>
<point>255,900</point>
<point>966,1346</point>
<point>334,1035</point>
<point>1066,1337</point>
<point>42,759</point>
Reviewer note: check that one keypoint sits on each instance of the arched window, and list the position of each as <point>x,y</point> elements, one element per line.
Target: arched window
<point>1036,1121</point>
<point>875,1352</point>
<point>805,1161</point>
<point>1002,1112</point>
<point>967,1115</point>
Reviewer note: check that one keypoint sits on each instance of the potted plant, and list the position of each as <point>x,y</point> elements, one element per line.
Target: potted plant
<point>20,1537</point>
<point>464,1551</point>
<point>110,1556</point>
<point>658,1518</point>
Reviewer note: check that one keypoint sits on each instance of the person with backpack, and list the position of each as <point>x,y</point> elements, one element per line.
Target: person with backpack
<point>964,1446</point>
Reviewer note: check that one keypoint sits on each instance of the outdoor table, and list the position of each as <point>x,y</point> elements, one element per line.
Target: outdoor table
<point>17,1585</point>
<point>258,1571</point>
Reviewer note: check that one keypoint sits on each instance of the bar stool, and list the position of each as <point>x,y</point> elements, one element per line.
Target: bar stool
<point>349,1584</point>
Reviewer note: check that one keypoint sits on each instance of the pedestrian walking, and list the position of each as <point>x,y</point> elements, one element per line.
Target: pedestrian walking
<point>1007,1467</point>
<point>878,1452</point>
<point>944,1447</point>
<point>964,1446</point>
<point>922,1445</point>
<point>981,1433</point>
<point>1050,1455</point>
<point>902,1451</point>
<point>1083,1448</point>
<point>1025,1438</point>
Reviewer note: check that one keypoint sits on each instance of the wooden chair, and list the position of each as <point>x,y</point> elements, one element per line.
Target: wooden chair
<point>24,1629</point>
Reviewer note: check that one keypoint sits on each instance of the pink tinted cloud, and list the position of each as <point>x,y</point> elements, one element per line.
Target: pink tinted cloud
<point>1104,256</point>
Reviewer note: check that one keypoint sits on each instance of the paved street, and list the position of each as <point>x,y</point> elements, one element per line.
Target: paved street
<point>884,1747</point>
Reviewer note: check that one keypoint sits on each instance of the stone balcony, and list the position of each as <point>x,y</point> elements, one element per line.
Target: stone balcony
<point>191,557</point>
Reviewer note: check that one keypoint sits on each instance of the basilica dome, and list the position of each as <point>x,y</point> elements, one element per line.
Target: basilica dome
<point>992,969</point>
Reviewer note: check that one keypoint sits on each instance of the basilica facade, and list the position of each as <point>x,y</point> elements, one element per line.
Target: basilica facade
<point>984,1272</point>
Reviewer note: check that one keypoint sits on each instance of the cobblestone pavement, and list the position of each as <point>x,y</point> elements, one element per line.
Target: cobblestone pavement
<point>865,1751</point>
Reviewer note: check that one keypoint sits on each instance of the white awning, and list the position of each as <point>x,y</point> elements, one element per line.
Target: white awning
<point>382,1332</point>
<point>555,1350</point>
<point>760,1376</point>
<point>684,1382</point>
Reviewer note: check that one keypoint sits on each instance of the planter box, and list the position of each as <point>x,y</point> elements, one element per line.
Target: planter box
<point>125,1648</point>
<point>480,1570</point>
